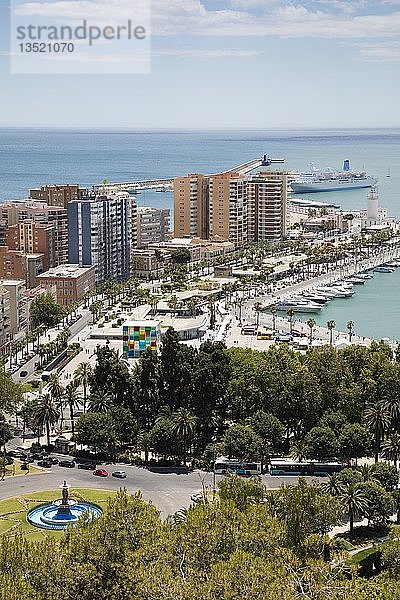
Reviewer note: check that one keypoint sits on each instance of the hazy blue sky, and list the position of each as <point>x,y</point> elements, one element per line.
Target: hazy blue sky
<point>230,63</point>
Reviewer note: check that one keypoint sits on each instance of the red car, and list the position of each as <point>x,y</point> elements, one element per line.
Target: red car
<point>100,473</point>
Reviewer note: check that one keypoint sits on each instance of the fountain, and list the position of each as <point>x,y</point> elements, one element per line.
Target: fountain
<point>63,512</point>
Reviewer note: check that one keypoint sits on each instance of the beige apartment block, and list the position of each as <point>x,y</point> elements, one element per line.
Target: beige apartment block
<point>18,314</point>
<point>232,207</point>
<point>5,320</point>
<point>191,206</point>
<point>58,195</point>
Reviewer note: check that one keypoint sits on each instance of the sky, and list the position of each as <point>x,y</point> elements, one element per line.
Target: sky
<point>223,64</point>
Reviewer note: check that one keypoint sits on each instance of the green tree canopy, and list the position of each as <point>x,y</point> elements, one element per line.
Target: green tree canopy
<point>321,443</point>
<point>241,441</point>
<point>45,311</point>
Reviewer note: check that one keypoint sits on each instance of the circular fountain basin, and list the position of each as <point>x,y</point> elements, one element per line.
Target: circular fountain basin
<point>51,516</point>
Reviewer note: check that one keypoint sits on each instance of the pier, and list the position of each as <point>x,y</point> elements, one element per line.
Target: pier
<point>167,185</point>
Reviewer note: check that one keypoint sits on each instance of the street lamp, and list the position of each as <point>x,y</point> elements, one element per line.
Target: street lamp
<point>214,490</point>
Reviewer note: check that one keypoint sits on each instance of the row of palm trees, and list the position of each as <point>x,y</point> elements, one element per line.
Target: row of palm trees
<point>50,407</point>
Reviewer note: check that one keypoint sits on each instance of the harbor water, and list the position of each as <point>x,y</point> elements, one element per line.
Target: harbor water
<point>374,308</point>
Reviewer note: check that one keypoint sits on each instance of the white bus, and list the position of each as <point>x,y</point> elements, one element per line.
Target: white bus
<point>311,468</point>
<point>225,466</point>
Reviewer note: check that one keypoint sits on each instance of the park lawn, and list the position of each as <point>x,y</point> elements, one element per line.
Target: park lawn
<point>16,512</point>
<point>10,505</point>
<point>15,469</point>
<point>5,525</point>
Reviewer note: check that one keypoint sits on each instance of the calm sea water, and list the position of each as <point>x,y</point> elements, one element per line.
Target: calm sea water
<point>374,308</point>
<point>30,158</point>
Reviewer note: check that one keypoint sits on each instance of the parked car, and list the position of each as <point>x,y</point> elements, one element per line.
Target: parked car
<point>119,474</point>
<point>100,473</point>
<point>22,448</point>
<point>47,464</point>
<point>23,373</point>
<point>54,461</point>
<point>36,456</point>
<point>67,463</point>
<point>17,453</point>
<point>86,466</point>
<point>298,333</point>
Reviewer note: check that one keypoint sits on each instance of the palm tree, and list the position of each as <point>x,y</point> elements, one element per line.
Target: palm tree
<point>350,327</point>
<point>393,406</point>
<point>290,314</point>
<point>46,414</point>
<point>192,304</point>
<point>377,418</point>
<point>173,303</point>
<point>273,310</point>
<point>42,351</point>
<point>144,443</point>
<point>366,473</point>
<point>354,502</point>
<point>240,303</point>
<point>331,326</point>
<point>298,450</point>
<point>56,390</point>
<point>72,398</point>
<point>82,377</point>
<point>391,448</point>
<point>257,308</point>
<point>311,324</point>
<point>211,307</point>
<point>334,486</point>
<point>183,425</point>
<point>101,401</point>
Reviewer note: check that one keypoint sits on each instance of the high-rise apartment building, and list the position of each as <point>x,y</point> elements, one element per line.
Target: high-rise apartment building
<point>228,208</point>
<point>232,207</point>
<point>13,213</point>
<point>100,234</point>
<point>5,320</point>
<point>18,313</point>
<point>267,194</point>
<point>15,264</point>
<point>191,206</point>
<point>58,195</point>
<point>153,225</point>
<point>33,238</point>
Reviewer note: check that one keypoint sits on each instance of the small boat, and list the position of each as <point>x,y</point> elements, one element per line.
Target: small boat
<point>383,269</point>
<point>298,305</point>
<point>392,263</point>
<point>342,284</point>
<point>341,292</point>
<point>365,275</point>
<point>357,280</point>
<point>389,174</point>
<point>318,298</point>
<point>328,293</point>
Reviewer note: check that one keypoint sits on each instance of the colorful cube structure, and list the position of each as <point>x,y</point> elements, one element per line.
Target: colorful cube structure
<point>139,335</point>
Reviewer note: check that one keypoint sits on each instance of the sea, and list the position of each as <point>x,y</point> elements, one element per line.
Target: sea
<point>33,157</point>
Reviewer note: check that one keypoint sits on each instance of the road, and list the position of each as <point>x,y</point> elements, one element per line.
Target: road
<point>29,366</point>
<point>168,492</point>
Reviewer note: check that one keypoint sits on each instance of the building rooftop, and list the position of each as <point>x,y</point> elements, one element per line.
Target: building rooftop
<point>15,282</point>
<point>70,271</point>
<point>141,323</point>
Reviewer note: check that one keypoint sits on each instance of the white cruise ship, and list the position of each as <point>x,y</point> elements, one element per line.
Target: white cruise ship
<point>329,180</point>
